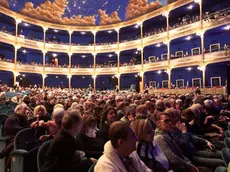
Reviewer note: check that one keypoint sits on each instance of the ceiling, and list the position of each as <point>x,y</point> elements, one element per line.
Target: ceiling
<point>88,12</point>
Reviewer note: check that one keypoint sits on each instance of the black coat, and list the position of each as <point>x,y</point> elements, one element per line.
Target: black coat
<point>92,147</point>
<point>61,155</point>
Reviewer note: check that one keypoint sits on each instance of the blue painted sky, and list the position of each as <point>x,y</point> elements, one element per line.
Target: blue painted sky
<point>84,7</point>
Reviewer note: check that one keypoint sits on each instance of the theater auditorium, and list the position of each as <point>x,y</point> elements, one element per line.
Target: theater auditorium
<point>114,85</point>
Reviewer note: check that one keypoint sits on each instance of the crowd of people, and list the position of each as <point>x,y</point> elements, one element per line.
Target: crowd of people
<point>122,131</point>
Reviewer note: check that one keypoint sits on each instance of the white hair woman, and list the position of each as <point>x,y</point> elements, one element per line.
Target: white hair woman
<point>54,125</point>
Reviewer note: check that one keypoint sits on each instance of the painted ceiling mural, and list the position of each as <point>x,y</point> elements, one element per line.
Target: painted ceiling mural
<point>84,12</point>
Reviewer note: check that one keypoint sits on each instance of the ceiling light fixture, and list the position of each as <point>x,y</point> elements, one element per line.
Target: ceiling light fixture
<point>227,27</point>
<point>55,30</point>
<point>159,71</point>
<point>110,31</point>
<point>26,24</point>
<point>54,55</point>
<point>189,68</point>
<point>83,33</point>
<point>24,51</point>
<point>158,45</point>
<point>190,7</point>
<point>110,55</point>
<point>188,38</point>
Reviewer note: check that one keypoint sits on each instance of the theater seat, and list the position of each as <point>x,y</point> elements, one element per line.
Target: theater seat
<point>21,158</point>
<point>91,169</point>
<point>225,154</point>
<point>42,154</point>
<point>3,140</point>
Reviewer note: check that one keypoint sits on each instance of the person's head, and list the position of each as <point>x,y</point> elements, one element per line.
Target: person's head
<point>121,106</point>
<point>110,115</point>
<point>40,112</point>
<point>52,100</point>
<point>58,114</point>
<point>179,103</point>
<point>130,113</point>
<point>122,137</point>
<point>143,130</point>
<point>163,121</point>
<point>89,126</point>
<point>72,122</point>
<point>160,105</point>
<point>150,107</point>
<point>175,117</point>
<point>141,110</point>
<point>21,109</point>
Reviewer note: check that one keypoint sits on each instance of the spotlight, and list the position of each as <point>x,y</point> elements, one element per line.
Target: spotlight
<point>188,38</point>
<point>26,24</point>
<point>24,51</point>
<point>83,33</point>
<point>23,75</point>
<point>227,27</point>
<point>158,45</point>
<point>56,76</point>
<point>55,30</point>
<point>159,71</point>
<point>110,55</point>
<point>54,55</point>
<point>190,7</point>
<point>83,56</point>
<point>110,31</point>
<point>189,68</point>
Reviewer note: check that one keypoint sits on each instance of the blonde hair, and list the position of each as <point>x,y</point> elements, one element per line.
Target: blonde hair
<point>139,127</point>
<point>58,106</point>
<point>37,108</point>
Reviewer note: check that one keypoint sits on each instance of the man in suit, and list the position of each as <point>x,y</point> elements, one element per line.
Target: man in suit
<point>62,154</point>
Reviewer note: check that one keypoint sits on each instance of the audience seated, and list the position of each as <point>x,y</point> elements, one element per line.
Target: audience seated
<point>119,152</point>
<point>147,149</point>
<point>177,161</point>
<point>62,154</point>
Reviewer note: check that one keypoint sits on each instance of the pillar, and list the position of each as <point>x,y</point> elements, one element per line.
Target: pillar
<point>69,77</point>
<point>18,21</point>
<point>94,62</point>
<point>169,78</point>
<point>16,53</point>
<point>118,38</point>
<point>118,61</point>
<point>15,77</point>
<point>118,80</point>
<point>44,59</point>
<point>70,62</point>
<point>94,82</point>
<point>44,76</point>
<point>141,74</point>
<point>203,69</point>
<point>202,45</point>
<point>70,40</point>
<point>44,37</point>
<point>94,40</point>
<point>169,53</point>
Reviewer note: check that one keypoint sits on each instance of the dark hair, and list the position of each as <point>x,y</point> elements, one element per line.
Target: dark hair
<point>107,110</point>
<point>118,130</point>
<point>188,115</point>
<point>159,114</point>
<point>71,117</point>
<point>88,122</point>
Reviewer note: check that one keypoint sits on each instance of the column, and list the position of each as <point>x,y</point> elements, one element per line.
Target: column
<point>94,40</point>
<point>16,53</point>
<point>202,45</point>
<point>70,40</point>
<point>69,77</point>
<point>141,74</point>
<point>44,58</point>
<point>142,49</point>
<point>44,76</point>
<point>118,61</point>
<point>168,71</point>
<point>70,62</point>
<point>18,21</point>
<point>15,77</point>
<point>118,38</point>
<point>118,76</point>
<point>203,69</point>
<point>94,63</point>
<point>44,37</point>
<point>94,82</point>
<point>169,53</point>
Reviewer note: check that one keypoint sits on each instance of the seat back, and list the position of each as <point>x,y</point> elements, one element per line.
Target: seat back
<point>225,153</point>
<point>91,169</point>
<point>227,142</point>
<point>4,109</point>
<point>41,157</point>
<point>10,112</point>
<point>13,105</point>
<point>24,137</point>
<point>2,120</point>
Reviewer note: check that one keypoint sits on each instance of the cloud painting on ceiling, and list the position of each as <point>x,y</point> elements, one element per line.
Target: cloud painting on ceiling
<point>84,12</point>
